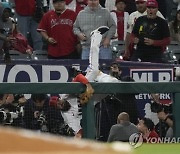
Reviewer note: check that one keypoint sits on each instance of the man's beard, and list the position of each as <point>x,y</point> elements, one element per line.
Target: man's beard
<point>116,75</point>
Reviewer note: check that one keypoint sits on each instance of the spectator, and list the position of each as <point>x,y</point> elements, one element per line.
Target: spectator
<point>97,16</point>
<point>36,105</point>
<point>130,6</point>
<point>44,114</point>
<point>168,119</point>
<point>7,27</point>
<point>174,27</point>
<point>171,9</point>
<point>141,11</point>
<point>151,34</point>
<point>110,5</point>
<point>29,13</point>
<point>14,39</point>
<point>146,127</point>
<point>164,127</point>
<point>123,129</point>
<point>121,18</point>
<point>76,5</point>
<point>56,28</point>
<point>162,7</point>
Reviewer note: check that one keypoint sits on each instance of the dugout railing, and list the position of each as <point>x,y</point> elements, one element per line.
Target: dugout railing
<point>100,88</point>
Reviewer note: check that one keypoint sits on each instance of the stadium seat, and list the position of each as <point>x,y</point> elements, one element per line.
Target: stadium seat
<point>176,53</point>
<point>173,45</point>
<point>18,55</point>
<point>118,48</point>
<point>172,53</point>
<point>39,54</point>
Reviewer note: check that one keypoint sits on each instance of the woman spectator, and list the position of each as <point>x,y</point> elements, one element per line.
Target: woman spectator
<point>174,27</point>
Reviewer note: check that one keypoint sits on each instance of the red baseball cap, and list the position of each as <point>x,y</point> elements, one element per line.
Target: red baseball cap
<point>152,3</point>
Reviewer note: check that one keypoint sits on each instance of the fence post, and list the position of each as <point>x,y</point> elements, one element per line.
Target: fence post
<point>88,121</point>
<point>176,113</point>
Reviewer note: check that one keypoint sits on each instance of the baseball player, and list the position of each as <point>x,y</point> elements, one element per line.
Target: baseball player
<point>93,72</point>
<point>73,116</point>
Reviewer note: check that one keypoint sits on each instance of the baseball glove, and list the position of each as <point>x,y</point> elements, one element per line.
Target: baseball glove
<point>84,97</point>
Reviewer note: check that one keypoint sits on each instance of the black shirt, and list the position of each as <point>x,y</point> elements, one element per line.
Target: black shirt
<point>155,29</point>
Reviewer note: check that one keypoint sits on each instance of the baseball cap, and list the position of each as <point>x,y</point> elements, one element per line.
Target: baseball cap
<point>117,1</point>
<point>54,1</point>
<point>152,3</point>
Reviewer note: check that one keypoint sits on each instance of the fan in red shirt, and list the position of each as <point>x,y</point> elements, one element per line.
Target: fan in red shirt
<point>146,127</point>
<point>56,27</point>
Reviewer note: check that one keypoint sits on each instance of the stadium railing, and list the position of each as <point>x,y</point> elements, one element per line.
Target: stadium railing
<point>100,88</point>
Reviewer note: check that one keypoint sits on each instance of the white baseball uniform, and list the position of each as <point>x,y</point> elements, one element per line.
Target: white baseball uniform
<point>93,72</point>
<point>73,116</point>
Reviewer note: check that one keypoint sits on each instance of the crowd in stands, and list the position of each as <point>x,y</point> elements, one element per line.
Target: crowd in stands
<point>69,29</point>
<point>63,27</point>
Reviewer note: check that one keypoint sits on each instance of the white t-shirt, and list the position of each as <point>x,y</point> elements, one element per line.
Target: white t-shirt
<point>110,5</point>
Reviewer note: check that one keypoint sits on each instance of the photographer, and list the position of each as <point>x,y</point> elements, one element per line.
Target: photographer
<point>11,111</point>
<point>164,114</point>
<point>43,113</point>
<point>34,109</point>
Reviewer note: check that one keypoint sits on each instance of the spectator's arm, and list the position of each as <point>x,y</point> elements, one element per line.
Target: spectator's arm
<point>165,117</point>
<point>112,27</point>
<point>44,35</point>
<point>166,41</point>
<point>76,26</point>
<point>127,43</point>
<point>169,121</point>
<point>3,37</point>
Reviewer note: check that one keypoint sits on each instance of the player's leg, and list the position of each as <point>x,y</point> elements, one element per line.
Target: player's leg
<point>96,38</point>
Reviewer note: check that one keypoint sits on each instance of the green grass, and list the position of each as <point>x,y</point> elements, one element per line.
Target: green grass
<point>158,149</point>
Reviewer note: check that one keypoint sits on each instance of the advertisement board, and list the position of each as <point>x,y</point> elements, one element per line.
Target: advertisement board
<point>144,99</point>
